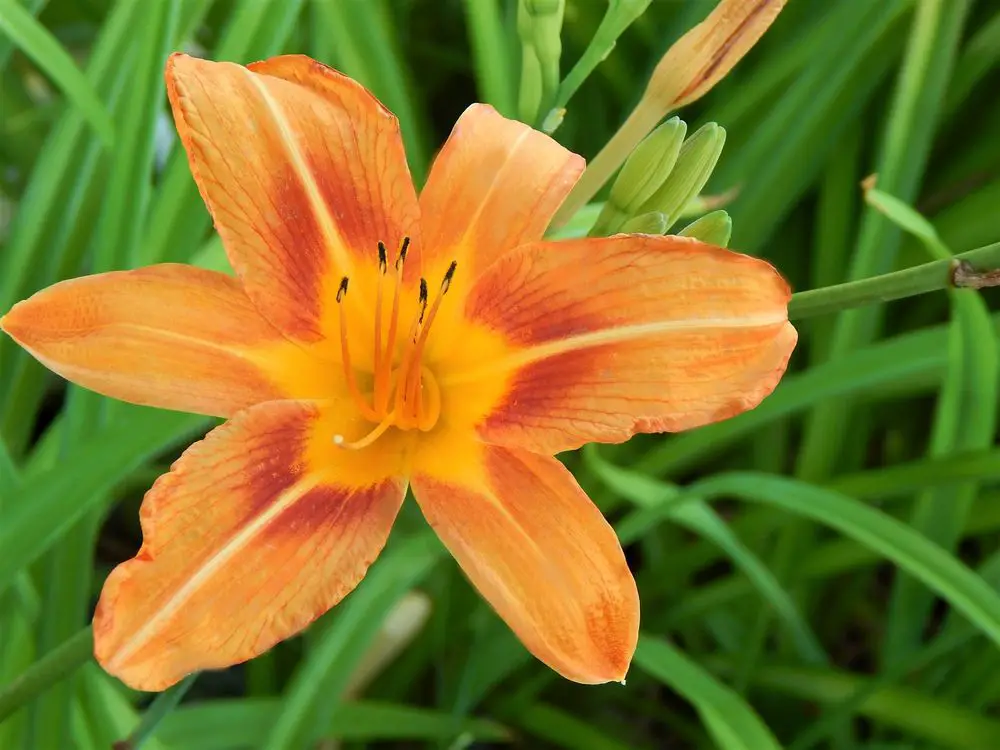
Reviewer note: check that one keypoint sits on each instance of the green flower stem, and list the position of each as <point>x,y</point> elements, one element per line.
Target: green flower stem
<point>929,277</point>
<point>162,705</point>
<point>640,122</point>
<point>56,665</point>
<point>619,16</point>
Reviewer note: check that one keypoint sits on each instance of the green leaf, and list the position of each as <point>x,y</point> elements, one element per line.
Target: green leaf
<point>730,720</point>
<point>562,729</point>
<point>36,42</point>
<point>907,218</point>
<point>658,500</point>
<point>179,222</point>
<point>941,572</point>
<point>491,53</point>
<point>321,680</point>
<point>50,502</point>
<point>906,709</point>
<point>909,130</point>
<point>225,724</point>
<point>34,7</point>
<point>106,705</point>
<point>965,420</point>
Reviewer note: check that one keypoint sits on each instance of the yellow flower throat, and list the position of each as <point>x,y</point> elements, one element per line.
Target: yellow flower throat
<point>406,396</point>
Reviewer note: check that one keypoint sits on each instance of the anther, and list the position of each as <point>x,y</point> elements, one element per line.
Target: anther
<point>422,300</point>
<point>382,257</point>
<point>446,282</point>
<point>342,290</point>
<point>401,258</point>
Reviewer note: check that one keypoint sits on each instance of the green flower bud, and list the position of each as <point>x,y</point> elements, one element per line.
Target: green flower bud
<point>609,221</point>
<point>715,228</point>
<point>651,223</point>
<point>649,166</point>
<point>698,157</point>
<point>645,170</point>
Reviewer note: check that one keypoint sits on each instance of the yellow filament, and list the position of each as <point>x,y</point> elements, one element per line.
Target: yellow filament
<point>412,380</point>
<point>368,439</point>
<point>383,368</point>
<point>406,364</point>
<point>352,383</point>
<point>378,330</point>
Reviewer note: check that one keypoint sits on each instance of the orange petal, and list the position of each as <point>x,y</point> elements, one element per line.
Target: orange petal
<point>494,186</point>
<point>171,336</point>
<point>246,541</point>
<point>303,171</point>
<point>609,337</point>
<point>539,551</point>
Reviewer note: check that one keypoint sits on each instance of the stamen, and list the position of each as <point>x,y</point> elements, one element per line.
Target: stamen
<point>406,361</point>
<point>422,300</point>
<point>384,373</point>
<point>382,265</point>
<point>368,439</point>
<point>412,382</point>
<point>345,354</point>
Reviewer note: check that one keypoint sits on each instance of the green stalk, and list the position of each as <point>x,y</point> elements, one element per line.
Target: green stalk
<point>619,16</point>
<point>929,277</point>
<point>57,665</point>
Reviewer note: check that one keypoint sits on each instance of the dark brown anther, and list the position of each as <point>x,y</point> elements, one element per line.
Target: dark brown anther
<point>423,298</point>
<point>402,252</point>
<point>342,290</point>
<point>446,283</point>
<point>382,255</point>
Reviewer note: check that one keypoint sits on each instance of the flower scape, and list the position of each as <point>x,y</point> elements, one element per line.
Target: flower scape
<point>373,340</point>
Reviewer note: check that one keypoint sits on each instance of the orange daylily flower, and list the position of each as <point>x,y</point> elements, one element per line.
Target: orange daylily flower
<point>373,340</point>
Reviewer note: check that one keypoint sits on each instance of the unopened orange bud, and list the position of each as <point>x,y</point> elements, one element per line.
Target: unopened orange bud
<point>704,55</point>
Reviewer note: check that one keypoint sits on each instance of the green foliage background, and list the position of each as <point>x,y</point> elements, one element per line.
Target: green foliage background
<point>820,572</point>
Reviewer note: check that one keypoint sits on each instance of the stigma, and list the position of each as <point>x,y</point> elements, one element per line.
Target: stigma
<point>404,393</point>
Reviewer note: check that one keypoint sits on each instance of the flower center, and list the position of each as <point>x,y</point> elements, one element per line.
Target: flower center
<point>404,394</point>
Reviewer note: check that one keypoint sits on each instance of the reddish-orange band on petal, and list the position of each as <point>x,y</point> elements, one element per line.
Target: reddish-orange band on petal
<point>171,336</point>
<point>245,542</point>
<point>627,334</point>
<point>494,186</point>
<point>303,171</point>
<point>540,552</point>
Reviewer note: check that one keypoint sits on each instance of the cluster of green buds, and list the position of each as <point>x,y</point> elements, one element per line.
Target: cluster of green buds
<point>660,182</point>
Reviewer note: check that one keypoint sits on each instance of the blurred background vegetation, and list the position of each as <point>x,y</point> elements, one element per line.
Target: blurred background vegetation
<point>820,572</point>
